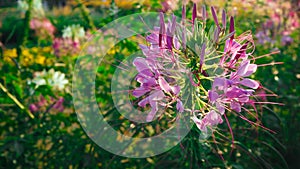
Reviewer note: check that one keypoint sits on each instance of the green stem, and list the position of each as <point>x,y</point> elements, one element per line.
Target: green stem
<point>26,27</point>
<point>18,103</point>
<point>85,15</point>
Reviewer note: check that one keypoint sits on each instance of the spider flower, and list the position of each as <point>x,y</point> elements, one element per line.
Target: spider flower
<point>175,51</point>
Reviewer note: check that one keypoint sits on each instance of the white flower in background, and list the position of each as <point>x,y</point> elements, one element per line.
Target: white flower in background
<point>53,78</point>
<point>57,79</point>
<point>73,31</point>
<point>67,32</point>
<point>39,78</point>
<point>22,5</point>
<point>37,7</point>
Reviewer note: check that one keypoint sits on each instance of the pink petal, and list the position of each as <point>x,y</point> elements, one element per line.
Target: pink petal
<point>144,102</point>
<point>142,66</point>
<point>214,118</point>
<point>250,83</point>
<point>242,70</point>
<point>175,89</point>
<point>140,92</point>
<point>164,84</point>
<point>231,28</point>
<point>200,124</point>
<point>202,54</point>
<point>179,106</point>
<point>235,106</point>
<point>251,69</point>
<point>194,14</point>
<point>152,113</point>
<point>219,82</point>
<point>212,96</point>
<point>220,108</point>
<point>224,19</point>
<point>204,13</point>
<point>213,11</point>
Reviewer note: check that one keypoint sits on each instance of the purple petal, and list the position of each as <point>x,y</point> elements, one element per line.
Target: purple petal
<point>152,38</point>
<point>235,92</point>
<point>202,54</point>
<point>224,19</point>
<point>251,69</point>
<point>231,28</point>
<point>242,70</point>
<point>194,15</point>
<point>164,84</point>
<point>212,96</point>
<point>183,13</point>
<point>152,113</point>
<point>235,106</point>
<point>250,83</point>
<point>169,42</point>
<point>242,51</point>
<point>216,35</point>
<point>220,108</point>
<point>139,92</point>
<point>200,124</point>
<point>144,102</point>
<point>156,96</point>
<point>173,25</point>
<point>175,89</point>
<point>150,82</point>
<point>183,39</point>
<point>243,99</point>
<point>153,100</point>
<point>204,13</point>
<point>142,66</point>
<point>179,106</point>
<point>162,29</point>
<point>213,118</point>
<point>219,82</point>
<point>213,11</point>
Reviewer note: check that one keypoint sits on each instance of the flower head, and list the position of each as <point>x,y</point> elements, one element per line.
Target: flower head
<point>174,51</point>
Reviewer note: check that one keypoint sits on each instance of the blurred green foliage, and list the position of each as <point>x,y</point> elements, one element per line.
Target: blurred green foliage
<point>56,139</point>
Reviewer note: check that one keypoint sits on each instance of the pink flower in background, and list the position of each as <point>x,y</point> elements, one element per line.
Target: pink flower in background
<point>283,20</point>
<point>43,104</point>
<point>65,47</point>
<point>43,27</point>
<point>33,108</point>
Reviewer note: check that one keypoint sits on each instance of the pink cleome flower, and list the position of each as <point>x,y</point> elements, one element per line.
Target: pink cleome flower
<point>189,49</point>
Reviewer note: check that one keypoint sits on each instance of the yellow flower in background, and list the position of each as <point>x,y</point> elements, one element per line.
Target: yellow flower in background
<point>40,59</point>
<point>47,49</point>
<point>59,11</point>
<point>103,3</point>
<point>8,54</point>
<point>215,3</point>
<point>26,58</point>
<point>125,4</point>
<point>30,56</point>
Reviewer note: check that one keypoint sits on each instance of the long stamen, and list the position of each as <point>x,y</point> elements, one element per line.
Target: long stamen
<point>253,123</point>
<point>231,132</point>
<point>271,64</point>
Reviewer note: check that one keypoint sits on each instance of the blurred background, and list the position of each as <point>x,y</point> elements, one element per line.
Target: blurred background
<point>41,39</point>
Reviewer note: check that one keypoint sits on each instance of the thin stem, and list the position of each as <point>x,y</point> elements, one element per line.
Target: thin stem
<point>18,103</point>
<point>86,16</point>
